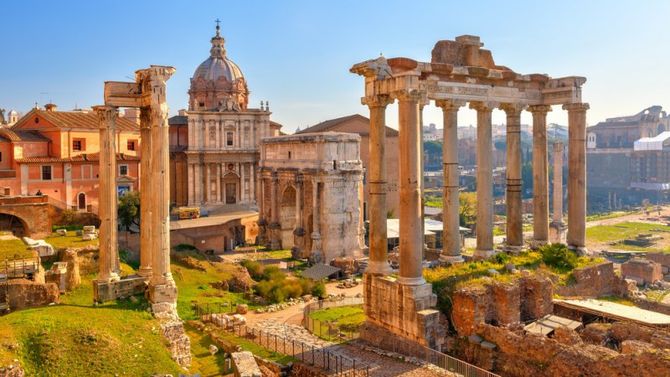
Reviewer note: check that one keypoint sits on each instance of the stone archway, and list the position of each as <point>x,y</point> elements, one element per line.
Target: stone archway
<point>287,217</point>
<point>14,224</point>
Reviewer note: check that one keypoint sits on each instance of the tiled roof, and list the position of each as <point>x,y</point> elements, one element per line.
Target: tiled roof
<point>178,120</point>
<point>7,134</point>
<point>329,125</point>
<point>80,158</point>
<point>76,120</point>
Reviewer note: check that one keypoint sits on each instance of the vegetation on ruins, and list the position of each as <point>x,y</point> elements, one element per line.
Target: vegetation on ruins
<point>614,235</point>
<point>275,286</point>
<point>467,211</point>
<point>14,248</point>
<point>70,240</point>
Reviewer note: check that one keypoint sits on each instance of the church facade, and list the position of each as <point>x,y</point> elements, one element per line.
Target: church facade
<point>215,144</point>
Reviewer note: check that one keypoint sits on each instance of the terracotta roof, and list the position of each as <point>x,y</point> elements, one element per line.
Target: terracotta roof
<point>178,120</point>
<point>75,120</point>
<point>330,125</point>
<point>7,134</point>
<point>80,158</point>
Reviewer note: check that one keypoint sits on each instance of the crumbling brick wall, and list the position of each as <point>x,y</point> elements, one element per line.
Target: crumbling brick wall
<point>593,281</point>
<point>643,271</point>
<point>537,294</point>
<point>25,294</point>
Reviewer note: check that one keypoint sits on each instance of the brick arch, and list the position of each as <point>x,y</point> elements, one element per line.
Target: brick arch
<point>36,221</point>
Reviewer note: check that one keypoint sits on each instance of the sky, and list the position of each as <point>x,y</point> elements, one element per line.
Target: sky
<point>297,54</point>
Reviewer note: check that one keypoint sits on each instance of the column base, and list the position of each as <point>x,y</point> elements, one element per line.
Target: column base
<point>580,250</point>
<point>451,259</point>
<point>536,244</point>
<point>483,254</point>
<point>411,281</point>
<point>513,249</point>
<point>379,268</point>
<point>110,278</point>
<point>557,232</point>
<point>163,298</point>
<point>104,291</point>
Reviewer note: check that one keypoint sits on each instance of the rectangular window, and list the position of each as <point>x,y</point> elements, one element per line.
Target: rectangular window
<point>79,144</point>
<point>131,145</point>
<point>0,156</point>
<point>46,172</point>
<point>123,169</point>
<point>229,138</point>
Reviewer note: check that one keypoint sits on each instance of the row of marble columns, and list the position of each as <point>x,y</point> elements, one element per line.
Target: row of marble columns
<point>202,193</point>
<point>154,186</point>
<point>411,190</point>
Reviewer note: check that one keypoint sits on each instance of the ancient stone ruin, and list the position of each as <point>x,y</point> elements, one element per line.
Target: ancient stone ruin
<point>460,71</point>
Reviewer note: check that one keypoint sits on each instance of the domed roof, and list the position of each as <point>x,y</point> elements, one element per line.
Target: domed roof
<point>215,67</point>
<point>218,65</point>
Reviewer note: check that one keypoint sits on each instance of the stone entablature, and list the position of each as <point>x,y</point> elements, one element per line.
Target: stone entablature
<point>311,190</point>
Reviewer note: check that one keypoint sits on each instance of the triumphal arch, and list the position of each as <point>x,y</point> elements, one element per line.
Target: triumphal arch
<point>459,72</point>
<point>148,93</point>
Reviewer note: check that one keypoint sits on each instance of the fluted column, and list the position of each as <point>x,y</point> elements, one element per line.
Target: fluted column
<point>317,255</point>
<point>451,236</point>
<point>108,261</point>
<point>191,184</point>
<point>411,182</point>
<point>208,182</point>
<point>513,192</point>
<point>576,237</point>
<point>484,179</point>
<point>540,175</point>
<point>557,227</point>
<point>378,262</point>
<point>164,288</point>
<point>146,184</point>
<point>274,212</point>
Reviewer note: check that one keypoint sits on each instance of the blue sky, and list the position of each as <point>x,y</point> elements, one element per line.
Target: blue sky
<point>297,54</point>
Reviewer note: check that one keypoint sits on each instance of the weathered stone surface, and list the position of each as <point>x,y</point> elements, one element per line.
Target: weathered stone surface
<point>245,365</point>
<point>25,294</point>
<point>596,333</point>
<point>642,271</point>
<point>73,278</point>
<point>13,370</point>
<point>567,336</point>
<point>469,308</point>
<point>537,293</point>
<point>104,291</point>
<point>636,347</point>
<point>241,281</point>
<point>179,343</point>
<point>242,309</point>
<point>594,281</point>
<point>506,303</point>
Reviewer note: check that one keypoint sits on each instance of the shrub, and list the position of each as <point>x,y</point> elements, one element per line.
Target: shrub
<point>502,258</point>
<point>559,257</point>
<point>254,268</point>
<point>319,290</point>
<point>185,247</point>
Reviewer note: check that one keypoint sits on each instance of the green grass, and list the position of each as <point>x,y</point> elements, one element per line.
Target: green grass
<point>274,254</point>
<point>248,345</point>
<point>71,240</point>
<point>206,364</point>
<point>352,314</point>
<point>195,286</point>
<point>617,300</point>
<point>77,339</point>
<point>14,249</point>
<point>609,215</point>
<point>656,296</point>
<point>432,202</point>
<point>615,234</point>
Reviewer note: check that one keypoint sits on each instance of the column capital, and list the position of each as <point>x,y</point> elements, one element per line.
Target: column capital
<point>580,106</point>
<point>512,109</point>
<point>449,104</point>
<point>410,95</point>
<point>483,105</point>
<point>106,114</point>
<point>381,100</point>
<point>539,109</point>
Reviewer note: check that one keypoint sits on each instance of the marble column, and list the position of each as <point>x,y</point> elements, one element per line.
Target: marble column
<point>557,227</point>
<point>316,254</point>
<point>275,243</point>
<point>162,288</point>
<point>191,184</point>
<point>208,182</point>
<point>484,179</point>
<point>146,194</point>
<point>411,235</point>
<point>576,237</point>
<point>540,175</point>
<point>451,236</point>
<point>378,262</point>
<point>243,179</point>
<point>252,181</point>
<point>513,191</point>
<point>219,195</point>
<point>108,261</point>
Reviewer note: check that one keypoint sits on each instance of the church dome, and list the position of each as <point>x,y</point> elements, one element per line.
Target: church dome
<point>218,84</point>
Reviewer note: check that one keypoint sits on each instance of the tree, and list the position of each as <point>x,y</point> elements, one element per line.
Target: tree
<point>467,209</point>
<point>129,209</point>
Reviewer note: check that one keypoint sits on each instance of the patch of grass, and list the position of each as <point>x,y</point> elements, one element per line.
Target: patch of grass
<point>14,249</point>
<point>609,215</point>
<point>617,300</point>
<point>202,362</point>
<point>656,296</point>
<point>77,339</point>
<point>622,231</point>
<point>195,286</point>
<point>70,240</point>
<point>347,319</point>
<point>274,254</point>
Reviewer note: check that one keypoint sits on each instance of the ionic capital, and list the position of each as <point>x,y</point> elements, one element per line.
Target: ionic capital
<point>512,109</point>
<point>482,106</point>
<point>106,115</point>
<point>539,109</point>
<point>449,104</point>
<point>381,100</point>
<point>410,95</point>
<point>576,107</point>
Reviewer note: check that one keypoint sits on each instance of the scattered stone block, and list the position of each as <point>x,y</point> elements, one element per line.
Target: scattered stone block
<point>62,232</point>
<point>213,349</point>
<point>487,345</point>
<point>245,365</point>
<point>642,270</point>
<point>242,309</point>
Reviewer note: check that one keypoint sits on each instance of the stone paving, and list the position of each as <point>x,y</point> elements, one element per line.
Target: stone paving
<point>380,363</point>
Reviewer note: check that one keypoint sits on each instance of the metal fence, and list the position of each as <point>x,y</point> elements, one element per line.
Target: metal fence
<point>214,308</point>
<point>329,330</point>
<point>323,358</point>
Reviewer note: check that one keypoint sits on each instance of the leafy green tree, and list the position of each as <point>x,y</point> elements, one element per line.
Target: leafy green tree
<point>129,209</point>
<point>467,209</point>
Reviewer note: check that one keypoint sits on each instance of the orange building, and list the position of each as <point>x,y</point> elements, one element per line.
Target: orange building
<point>56,153</point>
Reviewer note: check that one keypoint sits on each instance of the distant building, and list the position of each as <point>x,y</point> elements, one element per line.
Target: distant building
<point>628,160</point>
<point>56,153</point>
<point>432,133</point>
